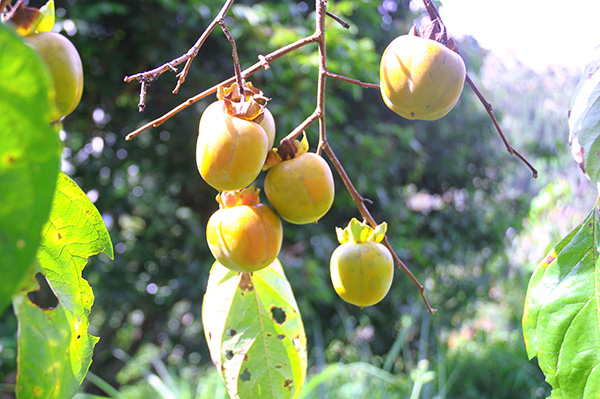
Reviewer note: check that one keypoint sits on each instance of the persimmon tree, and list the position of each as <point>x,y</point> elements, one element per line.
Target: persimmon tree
<point>263,353</point>
<point>252,322</point>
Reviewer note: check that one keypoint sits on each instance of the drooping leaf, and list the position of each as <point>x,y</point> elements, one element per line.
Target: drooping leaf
<point>561,319</point>
<point>55,348</point>
<point>29,159</point>
<point>255,333</point>
<point>584,121</point>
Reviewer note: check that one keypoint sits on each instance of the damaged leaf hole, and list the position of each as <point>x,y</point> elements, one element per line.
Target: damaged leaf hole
<point>230,332</point>
<point>278,314</point>
<point>245,376</point>
<point>229,354</point>
<point>281,337</point>
<point>44,297</point>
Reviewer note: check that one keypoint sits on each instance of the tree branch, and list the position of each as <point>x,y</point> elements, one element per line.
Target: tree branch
<point>433,15</point>
<point>264,61</point>
<point>151,75</point>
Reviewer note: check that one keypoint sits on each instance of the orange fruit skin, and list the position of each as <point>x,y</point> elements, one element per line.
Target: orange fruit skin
<point>301,189</point>
<point>420,78</point>
<point>361,273</point>
<point>245,238</point>
<point>66,69</point>
<point>230,151</point>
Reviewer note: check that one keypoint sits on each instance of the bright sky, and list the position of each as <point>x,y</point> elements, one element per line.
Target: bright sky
<point>538,32</point>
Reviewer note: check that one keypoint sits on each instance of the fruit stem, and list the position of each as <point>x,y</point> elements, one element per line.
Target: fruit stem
<point>236,60</point>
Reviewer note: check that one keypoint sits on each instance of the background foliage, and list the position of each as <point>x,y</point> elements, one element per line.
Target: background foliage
<point>463,214</point>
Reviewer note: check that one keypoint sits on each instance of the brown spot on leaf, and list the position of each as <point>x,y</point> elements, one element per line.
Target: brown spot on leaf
<point>58,236</point>
<point>44,297</point>
<point>246,282</point>
<point>278,315</point>
<point>288,384</point>
<point>246,357</point>
<point>245,376</point>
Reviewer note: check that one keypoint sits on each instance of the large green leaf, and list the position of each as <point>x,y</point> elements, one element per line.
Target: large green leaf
<point>584,120</point>
<point>254,332</point>
<point>55,348</point>
<point>29,159</point>
<point>561,319</point>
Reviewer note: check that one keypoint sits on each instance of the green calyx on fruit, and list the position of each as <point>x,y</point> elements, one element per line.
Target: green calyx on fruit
<point>244,235</point>
<point>420,77</point>
<point>361,268</point>
<point>357,232</point>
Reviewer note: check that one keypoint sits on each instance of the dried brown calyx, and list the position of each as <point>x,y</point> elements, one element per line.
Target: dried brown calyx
<point>250,106</point>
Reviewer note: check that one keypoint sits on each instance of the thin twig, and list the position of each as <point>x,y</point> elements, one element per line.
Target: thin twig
<point>247,72</point>
<point>236,59</point>
<point>433,15</point>
<point>301,127</point>
<point>490,110</point>
<point>353,81</point>
<point>153,74</point>
<point>143,90</point>
<point>338,20</point>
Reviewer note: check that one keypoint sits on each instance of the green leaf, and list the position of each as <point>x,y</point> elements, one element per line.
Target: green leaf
<point>584,121</point>
<point>55,348</point>
<point>254,332</point>
<point>561,319</point>
<point>29,159</point>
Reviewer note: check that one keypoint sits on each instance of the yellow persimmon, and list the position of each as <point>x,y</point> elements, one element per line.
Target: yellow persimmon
<point>244,235</point>
<point>361,267</point>
<point>420,78</point>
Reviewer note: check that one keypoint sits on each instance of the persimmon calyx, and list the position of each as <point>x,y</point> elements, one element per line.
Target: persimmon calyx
<point>287,149</point>
<point>250,108</point>
<point>357,232</point>
<point>246,196</point>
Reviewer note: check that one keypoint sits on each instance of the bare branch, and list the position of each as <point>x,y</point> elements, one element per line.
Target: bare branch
<point>264,60</point>
<point>153,74</point>
<point>338,20</point>
<point>353,81</point>
<point>433,15</point>
<point>490,110</point>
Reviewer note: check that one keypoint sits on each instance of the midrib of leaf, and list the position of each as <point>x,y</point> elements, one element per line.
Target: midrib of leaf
<point>262,329</point>
<point>595,252</point>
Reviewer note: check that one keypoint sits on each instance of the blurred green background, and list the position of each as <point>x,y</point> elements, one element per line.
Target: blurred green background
<point>463,214</point>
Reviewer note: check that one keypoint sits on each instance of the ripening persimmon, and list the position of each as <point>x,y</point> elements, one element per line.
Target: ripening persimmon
<point>66,69</point>
<point>244,235</point>
<point>301,188</point>
<point>420,78</point>
<point>361,267</point>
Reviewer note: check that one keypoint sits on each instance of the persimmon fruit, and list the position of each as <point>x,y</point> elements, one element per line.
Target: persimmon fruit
<point>66,69</point>
<point>420,78</point>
